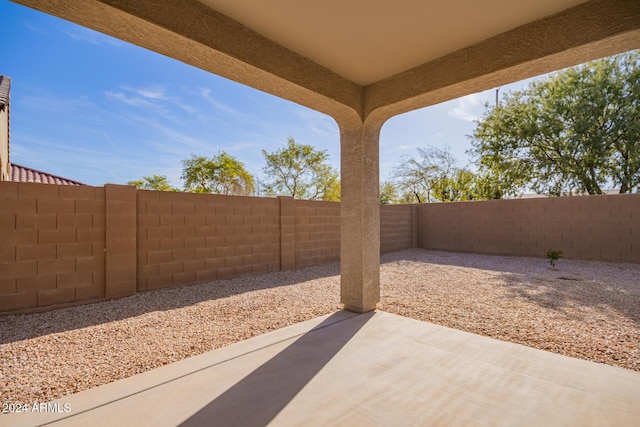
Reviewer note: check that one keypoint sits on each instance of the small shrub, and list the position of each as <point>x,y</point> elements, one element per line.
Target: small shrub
<point>553,256</point>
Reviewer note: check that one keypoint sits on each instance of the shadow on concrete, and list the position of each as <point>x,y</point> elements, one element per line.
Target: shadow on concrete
<point>18,327</point>
<point>259,397</point>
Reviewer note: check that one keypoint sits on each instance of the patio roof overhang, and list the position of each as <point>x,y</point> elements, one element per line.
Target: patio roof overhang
<point>362,62</point>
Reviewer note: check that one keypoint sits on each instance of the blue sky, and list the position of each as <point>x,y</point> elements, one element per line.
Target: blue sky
<point>99,110</point>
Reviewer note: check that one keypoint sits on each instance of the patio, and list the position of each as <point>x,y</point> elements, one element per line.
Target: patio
<point>362,369</point>
<point>369,64</point>
<point>594,316</point>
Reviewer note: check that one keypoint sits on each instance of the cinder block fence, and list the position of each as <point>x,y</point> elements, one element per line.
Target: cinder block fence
<point>65,245</point>
<point>74,244</point>
<point>599,228</point>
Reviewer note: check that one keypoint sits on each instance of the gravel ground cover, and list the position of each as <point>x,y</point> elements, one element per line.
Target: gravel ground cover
<point>584,309</point>
<point>589,310</point>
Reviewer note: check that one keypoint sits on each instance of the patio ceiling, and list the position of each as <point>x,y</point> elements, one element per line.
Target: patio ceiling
<point>367,41</point>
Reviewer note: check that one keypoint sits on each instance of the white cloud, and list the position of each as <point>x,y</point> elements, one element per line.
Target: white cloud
<point>155,92</point>
<point>405,147</point>
<point>153,98</point>
<point>189,109</point>
<point>85,35</point>
<point>172,141</point>
<point>461,114</point>
<point>36,29</point>
<point>206,94</point>
<point>80,108</point>
<point>129,100</point>
<point>85,163</point>
<point>82,38</point>
<point>242,146</point>
<point>469,108</point>
<point>141,95</point>
<point>317,122</point>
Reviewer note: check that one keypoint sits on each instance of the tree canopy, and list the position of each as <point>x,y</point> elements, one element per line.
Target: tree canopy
<point>221,174</point>
<point>431,177</point>
<point>301,171</point>
<point>388,193</point>
<point>154,182</point>
<point>574,131</point>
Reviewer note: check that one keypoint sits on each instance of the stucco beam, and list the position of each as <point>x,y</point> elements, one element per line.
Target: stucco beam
<point>588,31</point>
<point>193,33</point>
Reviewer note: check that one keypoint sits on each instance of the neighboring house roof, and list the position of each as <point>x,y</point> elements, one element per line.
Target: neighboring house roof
<point>24,174</point>
<point>5,86</point>
<point>19,173</point>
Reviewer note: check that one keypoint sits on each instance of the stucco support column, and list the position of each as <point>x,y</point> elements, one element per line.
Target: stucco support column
<point>360,217</point>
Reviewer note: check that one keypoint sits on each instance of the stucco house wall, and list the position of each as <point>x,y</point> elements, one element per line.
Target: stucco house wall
<point>5,167</point>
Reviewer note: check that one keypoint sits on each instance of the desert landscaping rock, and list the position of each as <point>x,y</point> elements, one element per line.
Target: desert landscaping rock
<point>589,310</point>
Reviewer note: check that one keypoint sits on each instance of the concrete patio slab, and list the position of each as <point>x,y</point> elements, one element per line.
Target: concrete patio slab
<point>361,369</point>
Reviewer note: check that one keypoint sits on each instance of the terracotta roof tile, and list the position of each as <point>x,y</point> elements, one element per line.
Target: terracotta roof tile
<point>24,174</point>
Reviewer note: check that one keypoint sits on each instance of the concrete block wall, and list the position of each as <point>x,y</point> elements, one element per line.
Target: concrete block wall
<point>287,233</point>
<point>317,232</point>
<point>64,245</point>
<point>67,244</point>
<point>52,245</point>
<point>398,227</point>
<point>603,228</point>
<point>120,240</point>
<point>186,238</point>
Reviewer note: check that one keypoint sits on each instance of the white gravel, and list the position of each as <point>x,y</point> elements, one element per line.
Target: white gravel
<point>589,310</point>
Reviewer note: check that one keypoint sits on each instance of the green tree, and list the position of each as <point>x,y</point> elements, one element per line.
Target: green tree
<point>388,193</point>
<point>428,178</point>
<point>572,132</point>
<point>330,179</point>
<point>488,186</point>
<point>300,171</point>
<point>153,182</point>
<point>463,186</point>
<point>221,174</point>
